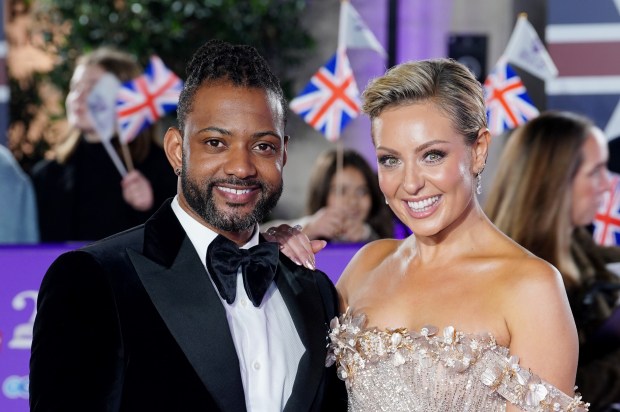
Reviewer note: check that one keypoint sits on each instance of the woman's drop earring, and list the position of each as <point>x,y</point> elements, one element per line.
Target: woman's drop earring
<point>479,179</point>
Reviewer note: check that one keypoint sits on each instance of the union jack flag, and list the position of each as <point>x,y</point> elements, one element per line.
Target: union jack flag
<point>508,104</point>
<point>607,220</point>
<point>143,100</point>
<point>583,38</point>
<point>331,98</point>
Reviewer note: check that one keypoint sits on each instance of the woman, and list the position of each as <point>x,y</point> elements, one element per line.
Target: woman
<point>431,320</point>
<point>80,193</point>
<point>548,214</point>
<point>344,205</point>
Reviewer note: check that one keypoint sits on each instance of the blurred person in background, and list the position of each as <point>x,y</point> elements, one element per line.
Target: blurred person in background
<point>551,180</point>
<point>80,193</point>
<point>18,210</point>
<point>345,205</point>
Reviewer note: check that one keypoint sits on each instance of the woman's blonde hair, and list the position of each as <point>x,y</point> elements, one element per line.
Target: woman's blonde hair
<point>446,83</point>
<point>531,196</point>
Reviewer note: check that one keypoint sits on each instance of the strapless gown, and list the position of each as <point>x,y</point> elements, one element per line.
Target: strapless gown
<point>434,371</point>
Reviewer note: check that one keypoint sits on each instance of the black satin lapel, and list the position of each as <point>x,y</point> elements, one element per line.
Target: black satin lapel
<point>303,300</point>
<point>163,235</point>
<point>193,312</point>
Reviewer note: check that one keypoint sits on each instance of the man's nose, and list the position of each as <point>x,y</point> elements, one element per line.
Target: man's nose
<point>240,163</point>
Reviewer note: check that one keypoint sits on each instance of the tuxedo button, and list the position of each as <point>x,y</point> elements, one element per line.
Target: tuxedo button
<point>256,365</point>
<point>244,302</point>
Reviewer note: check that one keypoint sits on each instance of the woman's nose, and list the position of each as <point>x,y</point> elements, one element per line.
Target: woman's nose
<point>413,180</point>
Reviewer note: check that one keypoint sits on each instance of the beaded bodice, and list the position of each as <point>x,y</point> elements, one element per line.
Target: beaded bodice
<point>432,370</point>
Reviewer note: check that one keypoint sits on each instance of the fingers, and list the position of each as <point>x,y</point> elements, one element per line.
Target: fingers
<point>354,231</point>
<point>137,191</point>
<point>317,245</point>
<point>326,223</point>
<point>294,244</point>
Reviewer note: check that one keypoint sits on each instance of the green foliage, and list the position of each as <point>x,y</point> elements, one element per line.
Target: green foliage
<point>174,29</point>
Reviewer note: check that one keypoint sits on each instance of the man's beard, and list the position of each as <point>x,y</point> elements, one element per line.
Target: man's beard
<point>200,198</point>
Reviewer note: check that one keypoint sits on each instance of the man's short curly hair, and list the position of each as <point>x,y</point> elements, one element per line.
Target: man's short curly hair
<point>217,60</point>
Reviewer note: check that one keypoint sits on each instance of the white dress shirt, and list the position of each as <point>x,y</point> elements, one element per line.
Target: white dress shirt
<point>266,341</point>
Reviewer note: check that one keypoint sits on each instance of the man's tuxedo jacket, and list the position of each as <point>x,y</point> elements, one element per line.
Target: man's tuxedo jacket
<point>133,323</point>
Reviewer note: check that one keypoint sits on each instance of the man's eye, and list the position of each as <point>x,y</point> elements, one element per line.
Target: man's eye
<point>213,143</point>
<point>265,147</point>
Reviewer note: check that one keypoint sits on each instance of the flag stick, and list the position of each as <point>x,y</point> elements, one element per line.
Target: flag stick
<point>339,167</point>
<point>127,156</point>
<point>114,156</point>
<point>342,26</point>
<point>342,46</point>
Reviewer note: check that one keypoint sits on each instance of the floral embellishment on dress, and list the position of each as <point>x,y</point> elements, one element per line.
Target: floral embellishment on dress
<point>522,388</point>
<point>355,349</point>
<point>352,346</point>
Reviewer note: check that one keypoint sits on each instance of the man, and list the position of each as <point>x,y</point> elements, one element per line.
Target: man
<point>159,318</point>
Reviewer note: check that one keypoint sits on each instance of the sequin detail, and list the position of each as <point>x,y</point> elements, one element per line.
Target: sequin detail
<point>433,370</point>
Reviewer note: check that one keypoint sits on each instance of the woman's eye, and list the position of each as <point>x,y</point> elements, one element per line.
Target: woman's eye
<point>434,156</point>
<point>388,161</point>
<point>361,192</point>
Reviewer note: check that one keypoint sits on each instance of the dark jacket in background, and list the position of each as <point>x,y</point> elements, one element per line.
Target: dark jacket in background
<point>82,199</point>
<point>593,304</point>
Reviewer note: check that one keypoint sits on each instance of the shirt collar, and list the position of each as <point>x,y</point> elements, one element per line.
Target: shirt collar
<point>200,235</point>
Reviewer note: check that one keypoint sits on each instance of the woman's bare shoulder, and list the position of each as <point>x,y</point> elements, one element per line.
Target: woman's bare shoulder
<point>517,265</point>
<point>520,267</point>
<point>366,259</point>
<point>529,287</point>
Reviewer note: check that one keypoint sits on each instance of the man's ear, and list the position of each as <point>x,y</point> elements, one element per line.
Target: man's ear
<point>285,149</point>
<point>480,150</point>
<point>173,146</point>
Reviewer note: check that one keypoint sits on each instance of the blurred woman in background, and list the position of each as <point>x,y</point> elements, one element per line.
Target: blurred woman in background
<point>551,180</point>
<point>344,205</point>
<point>80,193</point>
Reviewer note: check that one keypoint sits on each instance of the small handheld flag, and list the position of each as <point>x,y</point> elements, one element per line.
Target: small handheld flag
<point>101,103</point>
<point>527,51</point>
<point>506,99</point>
<point>607,219</point>
<point>354,33</point>
<point>140,102</point>
<point>331,98</point>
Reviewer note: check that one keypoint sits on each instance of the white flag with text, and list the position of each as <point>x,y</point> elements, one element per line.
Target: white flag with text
<point>354,33</point>
<point>527,51</point>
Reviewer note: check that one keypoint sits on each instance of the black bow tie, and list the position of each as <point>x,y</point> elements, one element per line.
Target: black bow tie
<point>258,267</point>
